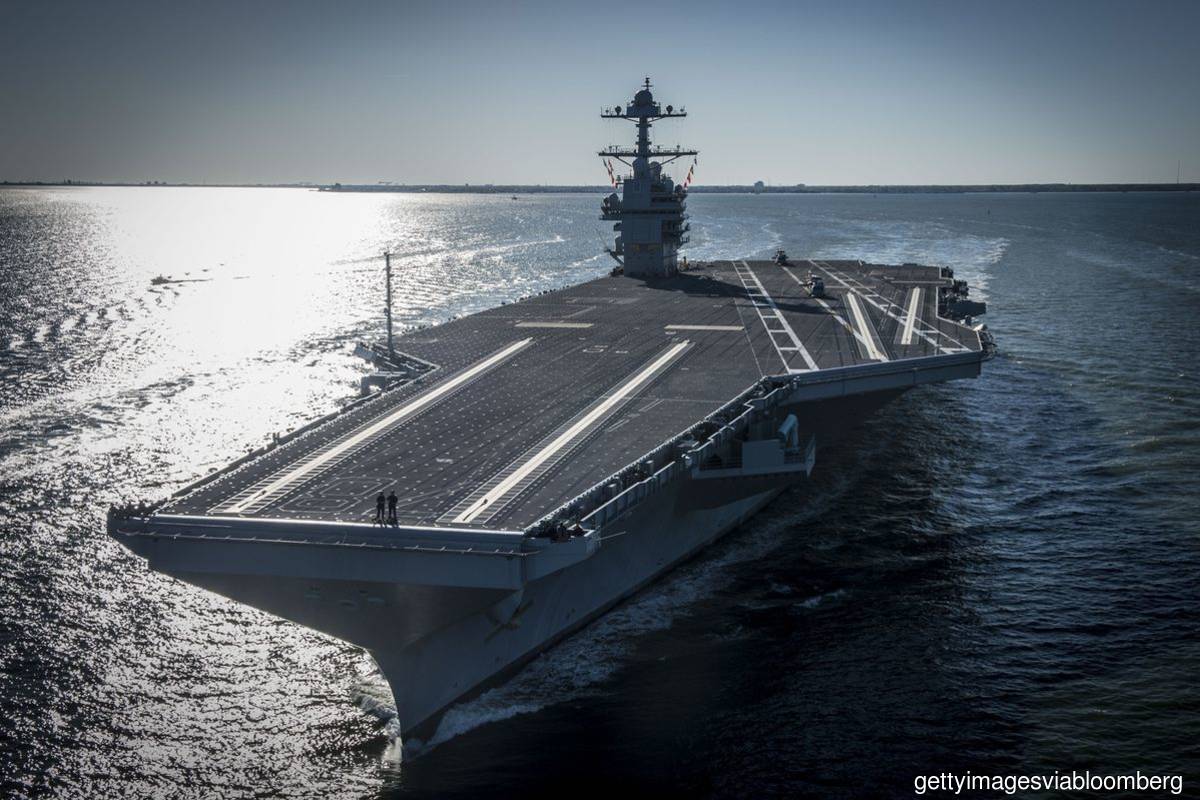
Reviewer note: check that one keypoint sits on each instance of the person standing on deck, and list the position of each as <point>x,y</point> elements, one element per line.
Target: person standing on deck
<point>392,500</point>
<point>379,503</point>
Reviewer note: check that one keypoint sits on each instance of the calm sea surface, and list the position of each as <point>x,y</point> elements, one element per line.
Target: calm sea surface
<point>1000,575</point>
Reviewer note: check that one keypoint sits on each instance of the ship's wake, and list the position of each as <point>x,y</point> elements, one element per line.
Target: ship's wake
<point>972,257</point>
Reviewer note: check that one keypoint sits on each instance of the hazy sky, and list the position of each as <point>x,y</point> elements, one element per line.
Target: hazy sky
<point>448,92</point>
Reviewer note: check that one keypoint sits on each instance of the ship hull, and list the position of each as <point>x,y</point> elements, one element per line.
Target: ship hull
<point>436,645</point>
<point>460,660</point>
<point>463,658</point>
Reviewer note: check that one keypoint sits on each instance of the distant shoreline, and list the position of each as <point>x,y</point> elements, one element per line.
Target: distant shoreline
<point>1026,188</point>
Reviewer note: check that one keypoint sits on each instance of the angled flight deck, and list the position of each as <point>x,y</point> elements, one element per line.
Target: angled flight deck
<point>534,402</point>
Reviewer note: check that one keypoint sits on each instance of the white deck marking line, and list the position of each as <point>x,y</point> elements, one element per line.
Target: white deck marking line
<point>741,312</point>
<point>580,312</point>
<point>914,305</point>
<point>705,328</point>
<point>885,309</point>
<point>563,439</point>
<point>554,325</point>
<point>837,277</point>
<point>925,330</point>
<point>778,317</point>
<point>370,430</point>
<point>840,320</point>
<point>864,325</point>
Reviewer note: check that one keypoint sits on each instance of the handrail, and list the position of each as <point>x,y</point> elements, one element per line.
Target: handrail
<point>764,394</point>
<point>576,508</point>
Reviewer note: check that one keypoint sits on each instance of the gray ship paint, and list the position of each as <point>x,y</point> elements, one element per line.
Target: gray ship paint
<point>547,515</point>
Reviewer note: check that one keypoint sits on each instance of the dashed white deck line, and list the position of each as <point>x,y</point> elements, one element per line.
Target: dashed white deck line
<point>755,287</point>
<point>914,305</point>
<point>497,492</point>
<point>340,448</point>
<point>864,326</point>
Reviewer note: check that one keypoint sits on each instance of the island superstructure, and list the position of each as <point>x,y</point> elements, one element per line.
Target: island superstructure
<point>651,217</point>
<point>554,455</point>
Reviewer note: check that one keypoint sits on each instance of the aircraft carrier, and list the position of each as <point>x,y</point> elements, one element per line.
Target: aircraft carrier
<point>552,456</point>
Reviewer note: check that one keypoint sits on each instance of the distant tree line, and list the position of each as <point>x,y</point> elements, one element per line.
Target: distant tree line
<point>519,189</point>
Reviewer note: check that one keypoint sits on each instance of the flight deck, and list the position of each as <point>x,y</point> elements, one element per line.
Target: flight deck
<point>531,403</point>
<point>553,456</point>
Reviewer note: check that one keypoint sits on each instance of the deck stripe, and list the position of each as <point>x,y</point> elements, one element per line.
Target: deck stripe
<point>864,326</point>
<point>764,299</point>
<point>554,324</point>
<point>914,304</point>
<point>497,492</point>
<point>705,327</point>
<point>886,306</point>
<point>323,457</point>
<point>829,309</point>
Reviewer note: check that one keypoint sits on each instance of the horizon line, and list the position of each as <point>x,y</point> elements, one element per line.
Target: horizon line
<point>759,187</point>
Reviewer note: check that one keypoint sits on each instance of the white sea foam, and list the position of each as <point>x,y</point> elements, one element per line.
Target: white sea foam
<point>972,258</point>
<point>821,599</point>
<point>733,236</point>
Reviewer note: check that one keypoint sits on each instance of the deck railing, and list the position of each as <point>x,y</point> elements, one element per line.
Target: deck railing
<point>592,510</point>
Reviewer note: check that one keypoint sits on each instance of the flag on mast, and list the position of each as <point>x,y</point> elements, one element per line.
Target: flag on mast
<point>691,172</point>
<point>612,178</point>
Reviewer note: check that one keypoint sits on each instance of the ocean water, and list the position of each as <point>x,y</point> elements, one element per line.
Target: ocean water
<point>1000,575</point>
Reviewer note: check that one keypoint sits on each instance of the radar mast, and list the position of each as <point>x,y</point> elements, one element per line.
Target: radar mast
<point>650,218</point>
